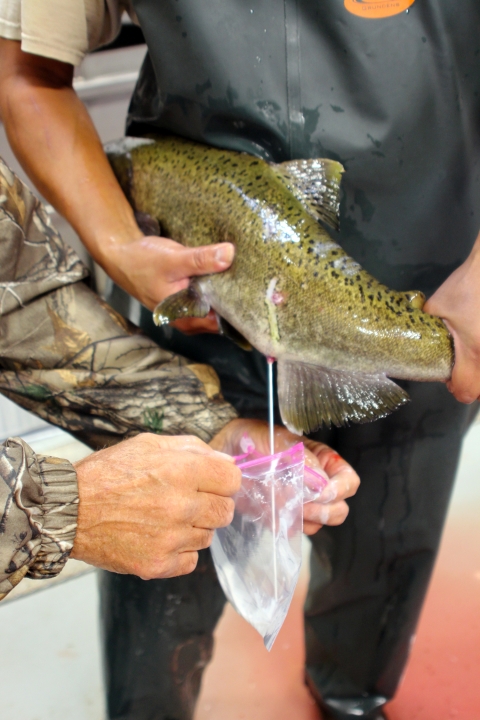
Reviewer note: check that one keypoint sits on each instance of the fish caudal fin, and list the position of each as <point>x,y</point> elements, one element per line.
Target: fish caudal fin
<point>316,183</point>
<point>311,395</point>
<point>184,304</point>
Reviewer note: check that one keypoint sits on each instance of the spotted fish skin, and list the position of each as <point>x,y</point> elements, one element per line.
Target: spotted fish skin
<point>291,291</point>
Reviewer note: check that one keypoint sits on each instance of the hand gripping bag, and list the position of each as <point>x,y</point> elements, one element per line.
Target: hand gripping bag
<point>259,555</point>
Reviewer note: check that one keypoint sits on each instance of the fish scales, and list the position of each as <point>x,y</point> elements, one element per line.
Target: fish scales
<point>292,292</point>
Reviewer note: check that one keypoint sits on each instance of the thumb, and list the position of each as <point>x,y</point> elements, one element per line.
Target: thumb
<point>433,306</point>
<point>208,258</point>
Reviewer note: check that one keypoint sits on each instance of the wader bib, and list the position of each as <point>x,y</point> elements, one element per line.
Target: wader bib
<point>396,99</point>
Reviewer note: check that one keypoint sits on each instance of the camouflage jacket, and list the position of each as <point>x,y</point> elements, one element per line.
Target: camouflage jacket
<point>68,357</point>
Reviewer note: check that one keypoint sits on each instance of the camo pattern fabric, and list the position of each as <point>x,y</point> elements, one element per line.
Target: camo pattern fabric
<point>38,501</point>
<point>68,357</point>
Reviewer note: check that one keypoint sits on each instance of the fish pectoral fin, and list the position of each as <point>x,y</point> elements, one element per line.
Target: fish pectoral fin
<point>119,154</point>
<point>184,304</point>
<point>148,224</point>
<point>415,299</point>
<point>311,395</point>
<point>232,333</point>
<point>316,183</point>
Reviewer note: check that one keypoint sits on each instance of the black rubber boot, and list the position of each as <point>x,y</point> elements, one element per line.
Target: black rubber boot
<point>368,707</point>
<point>329,713</point>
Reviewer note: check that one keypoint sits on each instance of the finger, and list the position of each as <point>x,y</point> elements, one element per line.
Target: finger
<point>214,475</point>
<point>312,512</point>
<point>328,458</point>
<point>184,538</point>
<point>334,514</point>
<point>464,385</point>
<point>204,260</point>
<point>310,528</point>
<point>192,443</point>
<point>213,511</point>
<point>336,468</point>
<point>433,305</point>
<point>341,486</point>
<point>312,460</point>
<point>185,443</point>
<point>465,381</point>
<point>196,539</point>
<point>179,563</point>
<point>184,564</point>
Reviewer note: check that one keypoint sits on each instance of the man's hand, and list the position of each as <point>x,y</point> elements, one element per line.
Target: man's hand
<point>457,302</point>
<point>151,268</point>
<point>344,481</point>
<point>52,135</point>
<point>149,504</point>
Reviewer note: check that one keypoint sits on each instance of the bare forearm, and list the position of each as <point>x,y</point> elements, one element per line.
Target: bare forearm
<point>53,137</point>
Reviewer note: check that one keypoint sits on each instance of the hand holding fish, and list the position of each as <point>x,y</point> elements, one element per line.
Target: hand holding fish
<point>151,268</point>
<point>52,134</point>
<point>457,302</point>
<point>344,481</point>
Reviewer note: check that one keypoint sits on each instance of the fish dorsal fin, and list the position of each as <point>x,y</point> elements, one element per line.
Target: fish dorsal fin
<point>311,395</point>
<point>184,304</point>
<point>316,183</point>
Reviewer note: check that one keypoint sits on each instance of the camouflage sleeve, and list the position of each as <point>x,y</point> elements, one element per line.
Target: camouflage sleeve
<point>68,357</point>
<point>38,514</point>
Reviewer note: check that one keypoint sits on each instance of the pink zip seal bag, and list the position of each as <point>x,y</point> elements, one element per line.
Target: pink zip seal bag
<point>259,555</point>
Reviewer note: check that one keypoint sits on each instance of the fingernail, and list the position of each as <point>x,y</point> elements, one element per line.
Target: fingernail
<point>329,493</point>
<point>224,254</point>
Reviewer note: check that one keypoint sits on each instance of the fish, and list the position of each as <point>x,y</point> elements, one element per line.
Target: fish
<point>338,335</point>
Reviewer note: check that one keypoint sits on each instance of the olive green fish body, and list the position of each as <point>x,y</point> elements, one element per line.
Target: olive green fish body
<point>292,291</point>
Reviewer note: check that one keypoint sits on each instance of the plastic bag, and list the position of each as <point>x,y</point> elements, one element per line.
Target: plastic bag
<point>315,481</point>
<point>259,555</point>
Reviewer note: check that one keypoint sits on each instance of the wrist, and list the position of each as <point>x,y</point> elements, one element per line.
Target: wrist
<point>90,505</point>
<point>108,243</point>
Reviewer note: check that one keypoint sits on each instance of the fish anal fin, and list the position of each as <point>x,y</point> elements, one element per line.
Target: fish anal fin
<point>232,333</point>
<point>311,395</point>
<point>184,304</point>
<point>316,183</point>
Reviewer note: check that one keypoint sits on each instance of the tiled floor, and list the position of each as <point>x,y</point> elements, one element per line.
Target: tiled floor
<point>50,662</point>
